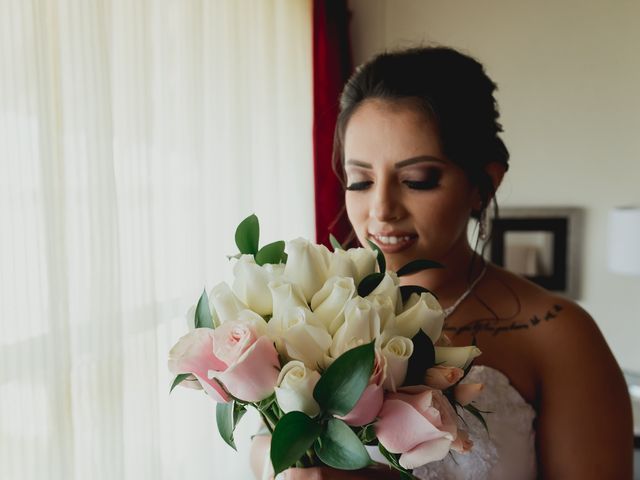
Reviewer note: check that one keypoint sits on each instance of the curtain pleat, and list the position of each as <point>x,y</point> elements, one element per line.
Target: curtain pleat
<point>134,136</point>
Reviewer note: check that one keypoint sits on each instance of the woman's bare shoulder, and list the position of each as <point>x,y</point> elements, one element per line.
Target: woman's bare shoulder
<point>558,329</point>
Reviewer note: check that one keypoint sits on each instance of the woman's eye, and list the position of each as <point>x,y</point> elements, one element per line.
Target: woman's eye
<point>432,181</point>
<point>359,185</point>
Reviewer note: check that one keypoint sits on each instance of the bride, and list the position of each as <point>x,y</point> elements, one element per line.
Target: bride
<point>418,142</point>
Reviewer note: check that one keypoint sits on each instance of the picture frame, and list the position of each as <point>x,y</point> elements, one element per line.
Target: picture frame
<point>541,244</point>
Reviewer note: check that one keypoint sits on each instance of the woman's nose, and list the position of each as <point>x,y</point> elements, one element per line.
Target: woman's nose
<point>385,205</point>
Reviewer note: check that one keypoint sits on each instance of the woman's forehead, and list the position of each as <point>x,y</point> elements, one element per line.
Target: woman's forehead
<point>380,129</point>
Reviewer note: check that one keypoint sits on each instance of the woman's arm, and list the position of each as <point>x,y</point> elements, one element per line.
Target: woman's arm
<point>584,427</point>
<point>258,457</point>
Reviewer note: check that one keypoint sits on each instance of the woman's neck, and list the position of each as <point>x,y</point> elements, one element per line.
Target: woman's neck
<point>451,282</point>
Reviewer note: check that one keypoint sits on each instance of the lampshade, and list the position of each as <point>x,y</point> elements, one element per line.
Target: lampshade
<point>624,240</point>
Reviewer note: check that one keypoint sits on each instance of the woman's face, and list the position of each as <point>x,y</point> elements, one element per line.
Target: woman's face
<point>402,193</point>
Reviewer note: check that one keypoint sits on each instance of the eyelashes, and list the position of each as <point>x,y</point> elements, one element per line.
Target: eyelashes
<point>355,186</point>
<point>431,181</point>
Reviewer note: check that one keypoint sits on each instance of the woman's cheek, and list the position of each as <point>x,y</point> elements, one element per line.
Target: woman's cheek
<point>357,208</point>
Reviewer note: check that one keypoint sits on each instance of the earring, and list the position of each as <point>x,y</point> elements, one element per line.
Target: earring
<point>483,227</point>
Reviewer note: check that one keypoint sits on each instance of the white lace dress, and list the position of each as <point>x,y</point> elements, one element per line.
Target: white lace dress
<point>507,452</point>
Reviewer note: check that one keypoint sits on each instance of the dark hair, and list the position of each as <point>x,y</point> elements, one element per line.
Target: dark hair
<point>452,89</point>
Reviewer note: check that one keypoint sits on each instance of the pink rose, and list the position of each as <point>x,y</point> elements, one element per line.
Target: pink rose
<point>462,444</point>
<point>370,402</point>
<point>194,354</point>
<point>442,377</point>
<point>418,423</point>
<point>252,359</point>
<point>466,393</point>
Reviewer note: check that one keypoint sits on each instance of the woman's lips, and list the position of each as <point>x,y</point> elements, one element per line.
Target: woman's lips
<point>393,243</point>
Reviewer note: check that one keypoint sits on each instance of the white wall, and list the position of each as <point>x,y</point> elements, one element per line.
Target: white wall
<point>569,80</point>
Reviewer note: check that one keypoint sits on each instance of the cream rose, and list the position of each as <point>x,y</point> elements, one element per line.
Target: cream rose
<point>329,302</point>
<point>285,296</point>
<point>397,352</point>
<point>251,283</point>
<point>299,337</point>
<point>341,265</point>
<point>460,357</point>
<point>295,388</point>
<point>307,266</point>
<point>422,313</point>
<point>361,325</point>
<point>389,287</point>
<point>364,260</point>
<point>225,302</point>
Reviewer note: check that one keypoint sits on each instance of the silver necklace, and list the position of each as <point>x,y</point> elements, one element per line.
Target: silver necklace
<point>449,310</point>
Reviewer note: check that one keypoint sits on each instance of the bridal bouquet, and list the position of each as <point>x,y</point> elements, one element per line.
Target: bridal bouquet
<point>332,352</point>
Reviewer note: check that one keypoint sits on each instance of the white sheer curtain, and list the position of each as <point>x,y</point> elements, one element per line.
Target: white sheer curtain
<point>134,135</point>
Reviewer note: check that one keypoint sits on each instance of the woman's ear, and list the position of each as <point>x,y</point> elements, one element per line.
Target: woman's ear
<point>495,172</point>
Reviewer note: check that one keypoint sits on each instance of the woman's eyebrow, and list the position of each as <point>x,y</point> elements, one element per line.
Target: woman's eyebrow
<point>400,164</point>
<point>358,163</point>
<point>420,159</point>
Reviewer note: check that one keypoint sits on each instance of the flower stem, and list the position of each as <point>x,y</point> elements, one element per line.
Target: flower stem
<point>269,418</point>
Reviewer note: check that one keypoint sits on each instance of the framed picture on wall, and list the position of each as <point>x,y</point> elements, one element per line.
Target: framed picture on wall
<point>541,244</point>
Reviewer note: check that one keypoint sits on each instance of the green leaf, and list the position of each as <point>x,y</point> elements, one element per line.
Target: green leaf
<point>393,459</point>
<point>248,235</point>
<point>293,436</point>
<point>369,283</point>
<point>417,266</point>
<point>203,318</point>
<point>367,434</point>
<point>178,380</point>
<point>407,290</point>
<point>335,243</point>
<point>271,253</point>
<point>238,413</point>
<point>382,263</point>
<point>224,420</point>
<point>341,448</point>
<point>423,358</point>
<point>284,258</point>
<point>342,384</point>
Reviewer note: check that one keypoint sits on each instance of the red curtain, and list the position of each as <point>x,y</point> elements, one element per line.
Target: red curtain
<point>331,68</point>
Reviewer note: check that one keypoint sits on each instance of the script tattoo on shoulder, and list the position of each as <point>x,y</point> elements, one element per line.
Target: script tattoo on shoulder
<point>496,326</point>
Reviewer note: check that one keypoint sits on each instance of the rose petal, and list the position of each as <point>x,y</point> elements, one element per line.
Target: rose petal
<point>462,443</point>
<point>466,393</point>
<point>193,353</point>
<point>402,428</point>
<point>213,389</point>
<point>426,452</point>
<point>367,408</point>
<point>442,377</point>
<point>254,376</point>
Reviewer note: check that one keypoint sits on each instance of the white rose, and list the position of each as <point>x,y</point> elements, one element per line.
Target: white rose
<point>295,388</point>
<point>341,265</point>
<point>299,337</point>
<point>364,260</point>
<point>284,296</point>
<point>251,283</point>
<point>225,302</point>
<point>384,307</point>
<point>422,312</point>
<point>361,325</point>
<point>390,287</point>
<point>329,302</point>
<point>460,357</point>
<point>397,352</point>
<point>307,265</point>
